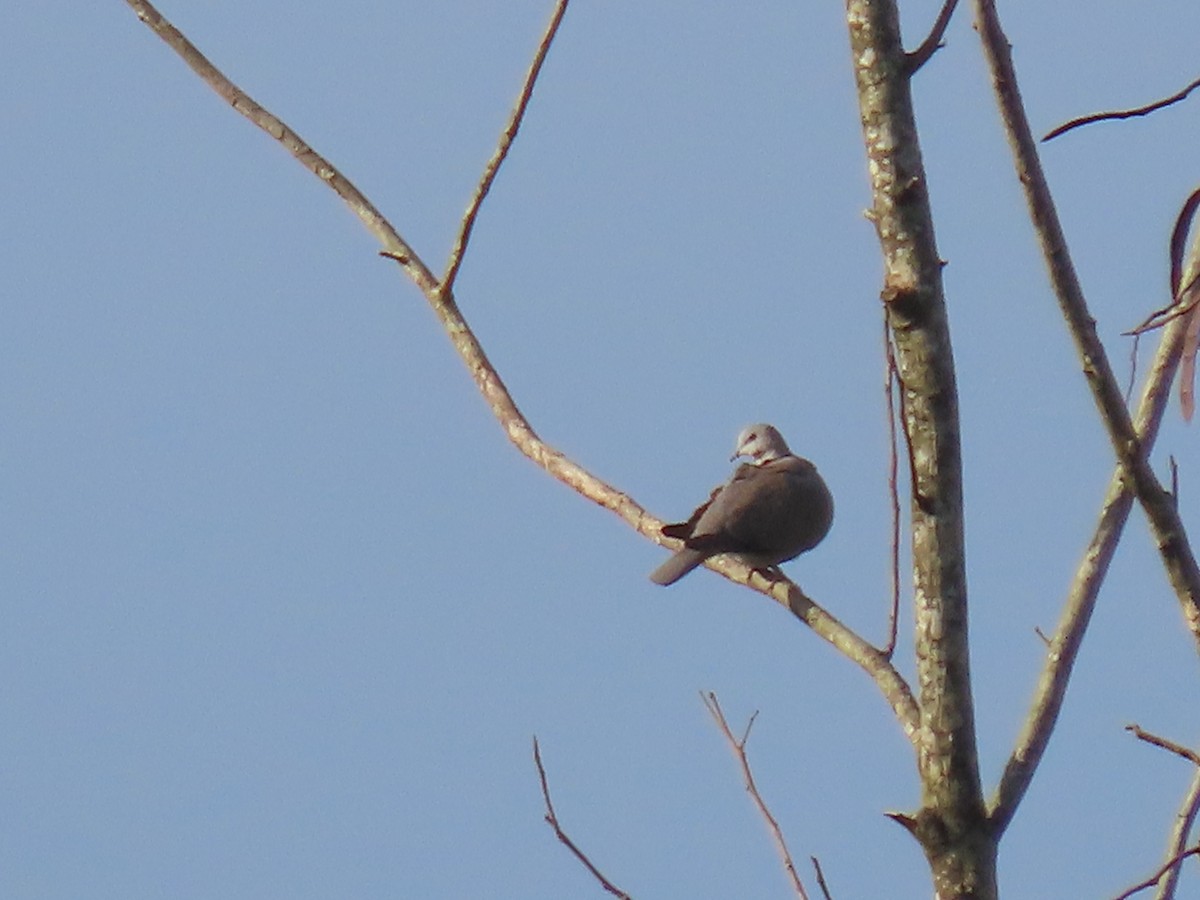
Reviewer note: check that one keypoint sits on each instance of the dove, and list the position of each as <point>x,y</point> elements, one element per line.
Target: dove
<point>772,509</point>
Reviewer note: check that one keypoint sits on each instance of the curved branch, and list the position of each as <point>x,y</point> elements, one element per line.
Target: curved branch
<point>1123,113</point>
<point>500,401</point>
<point>739,751</point>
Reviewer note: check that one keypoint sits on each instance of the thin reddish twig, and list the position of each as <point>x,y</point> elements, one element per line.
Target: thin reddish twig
<point>1153,879</point>
<point>739,751</point>
<point>501,152</point>
<point>1123,113</point>
<point>933,42</point>
<point>890,384</point>
<point>552,821</point>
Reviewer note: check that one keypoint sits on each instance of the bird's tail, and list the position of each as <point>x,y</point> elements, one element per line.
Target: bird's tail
<point>676,567</point>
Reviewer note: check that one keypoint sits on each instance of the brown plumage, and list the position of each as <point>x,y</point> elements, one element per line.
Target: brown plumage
<point>773,509</point>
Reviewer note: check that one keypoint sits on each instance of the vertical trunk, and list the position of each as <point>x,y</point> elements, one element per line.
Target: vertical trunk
<point>951,825</point>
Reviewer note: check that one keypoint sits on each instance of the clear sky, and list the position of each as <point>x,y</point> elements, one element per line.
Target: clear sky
<point>282,608</point>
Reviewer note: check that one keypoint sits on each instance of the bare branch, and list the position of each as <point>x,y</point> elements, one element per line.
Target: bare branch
<point>552,821</point>
<point>1183,296</point>
<point>1122,114</point>
<point>502,405</point>
<point>1129,448</point>
<point>1177,842</point>
<point>933,42</point>
<point>394,245</point>
<point>1081,598</point>
<point>891,383</point>
<point>1163,743</point>
<point>1060,658</point>
<point>821,878</point>
<point>502,148</point>
<point>739,751</point>
<point>1153,879</point>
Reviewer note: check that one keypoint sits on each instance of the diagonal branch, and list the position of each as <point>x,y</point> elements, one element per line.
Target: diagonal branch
<point>1132,442</point>
<point>1177,843</point>
<point>504,407</point>
<point>739,751</point>
<point>1130,450</point>
<point>502,148</point>
<point>1170,866</point>
<point>1164,743</point>
<point>552,821</point>
<point>1081,598</point>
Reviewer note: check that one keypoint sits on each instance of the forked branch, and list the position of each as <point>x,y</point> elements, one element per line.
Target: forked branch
<point>1131,440</point>
<point>488,380</point>
<point>739,751</point>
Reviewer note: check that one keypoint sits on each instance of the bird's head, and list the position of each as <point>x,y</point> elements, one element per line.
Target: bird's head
<point>760,443</point>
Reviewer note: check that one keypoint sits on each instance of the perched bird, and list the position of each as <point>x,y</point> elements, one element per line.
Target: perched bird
<point>774,508</point>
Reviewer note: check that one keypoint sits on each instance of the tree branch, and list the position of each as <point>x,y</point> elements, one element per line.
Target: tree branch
<point>1131,452</point>
<point>1064,648</point>
<point>552,821</point>
<point>739,752</point>
<point>933,42</point>
<point>500,401</point>
<point>1122,114</point>
<point>1132,442</point>
<point>1171,865</point>
<point>891,384</point>
<point>502,148</point>
<point>1164,743</point>
<point>1177,842</point>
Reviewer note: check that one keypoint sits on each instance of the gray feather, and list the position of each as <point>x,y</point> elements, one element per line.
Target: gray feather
<point>771,510</point>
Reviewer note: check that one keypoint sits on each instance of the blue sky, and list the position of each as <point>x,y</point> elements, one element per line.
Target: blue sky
<point>282,606</point>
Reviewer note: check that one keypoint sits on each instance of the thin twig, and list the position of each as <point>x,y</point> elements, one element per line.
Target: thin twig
<point>891,383</point>
<point>502,148</point>
<point>739,751</point>
<point>1163,743</point>
<point>933,42</point>
<point>821,878</point>
<point>1122,114</point>
<point>1133,359</point>
<point>552,821</point>
<point>1153,879</point>
<point>1182,299</point>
